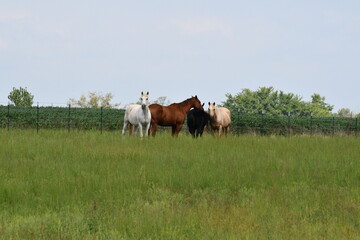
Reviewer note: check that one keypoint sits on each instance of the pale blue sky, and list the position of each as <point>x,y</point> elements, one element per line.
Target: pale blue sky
<point>62,49</point>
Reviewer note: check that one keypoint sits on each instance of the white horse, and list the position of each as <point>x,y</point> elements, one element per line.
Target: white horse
<point>220,119</point>
<point>138,115</point>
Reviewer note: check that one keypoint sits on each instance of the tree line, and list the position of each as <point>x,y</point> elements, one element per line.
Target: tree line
<point>268,101</point>
<point>264,100</point>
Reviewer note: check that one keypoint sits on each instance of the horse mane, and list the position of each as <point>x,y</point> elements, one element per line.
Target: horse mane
<point>183,103</point>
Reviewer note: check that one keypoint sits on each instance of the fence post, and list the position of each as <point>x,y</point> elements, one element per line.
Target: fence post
<point>238,122</point>
<point>69,120</point>
<point>262,129</point>
<point>311,124</point>
<point>101,120</point>
<point>289,124</point>
<point>8,117</point>
<point>37,118</point>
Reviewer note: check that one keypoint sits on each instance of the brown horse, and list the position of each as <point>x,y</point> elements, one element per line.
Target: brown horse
<point>172,115</point>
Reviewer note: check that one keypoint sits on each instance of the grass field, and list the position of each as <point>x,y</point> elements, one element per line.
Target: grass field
<point>84,185</point>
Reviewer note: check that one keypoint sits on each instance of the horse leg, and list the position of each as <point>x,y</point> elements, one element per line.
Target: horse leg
<point>176,129</point>
<point>199,132</point>
<point>147,129</point>
<point>213,130</point>
<point>136,127</point>
<point>140,129</point>
<point>173,130</point>
<point>153,129</point>
<point>192,131</point>
<point>220,130</point>
<point>130,129</point>
<point>196,132</point>
<point>124,127</point>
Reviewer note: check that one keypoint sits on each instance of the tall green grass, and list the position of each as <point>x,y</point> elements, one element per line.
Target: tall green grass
<point>87,185</point>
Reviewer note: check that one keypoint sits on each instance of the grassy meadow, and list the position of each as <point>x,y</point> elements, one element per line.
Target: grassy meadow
<point>87,185</point>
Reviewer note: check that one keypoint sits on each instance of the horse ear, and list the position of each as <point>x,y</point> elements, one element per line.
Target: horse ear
<point>142,93</point>
<point>147,93</point>
<point>203,104</point>
<point>214,103</point>
<point>209,103</point>
<point>196,96</point>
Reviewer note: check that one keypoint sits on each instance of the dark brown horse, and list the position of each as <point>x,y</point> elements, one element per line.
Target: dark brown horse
<point>172,115</point>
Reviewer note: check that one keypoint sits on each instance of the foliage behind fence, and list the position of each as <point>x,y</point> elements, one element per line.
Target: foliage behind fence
<point>284,125</point>
<point>61,117</point>
<point>112,119</point>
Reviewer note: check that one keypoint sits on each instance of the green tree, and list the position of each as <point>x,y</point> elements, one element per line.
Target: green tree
<point>265,100</point>
<point>318,107</point>
<point>269,101</point>
<point>21,97</point>
<point>345,112</point>
<point>94,100</point>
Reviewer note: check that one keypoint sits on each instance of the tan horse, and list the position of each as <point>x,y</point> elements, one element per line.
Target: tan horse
<point>220,119</point>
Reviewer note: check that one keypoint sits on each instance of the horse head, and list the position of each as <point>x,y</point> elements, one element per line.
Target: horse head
<point>211,109</point>
<point>144,99</point>
<point>196,103</point>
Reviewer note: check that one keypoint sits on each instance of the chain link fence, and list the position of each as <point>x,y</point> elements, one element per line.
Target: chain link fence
<point>103,119</point>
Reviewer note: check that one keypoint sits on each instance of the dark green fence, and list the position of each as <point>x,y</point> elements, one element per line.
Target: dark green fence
<point>290,125</point>
<point>61,117</point>
<point>112,119</point>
